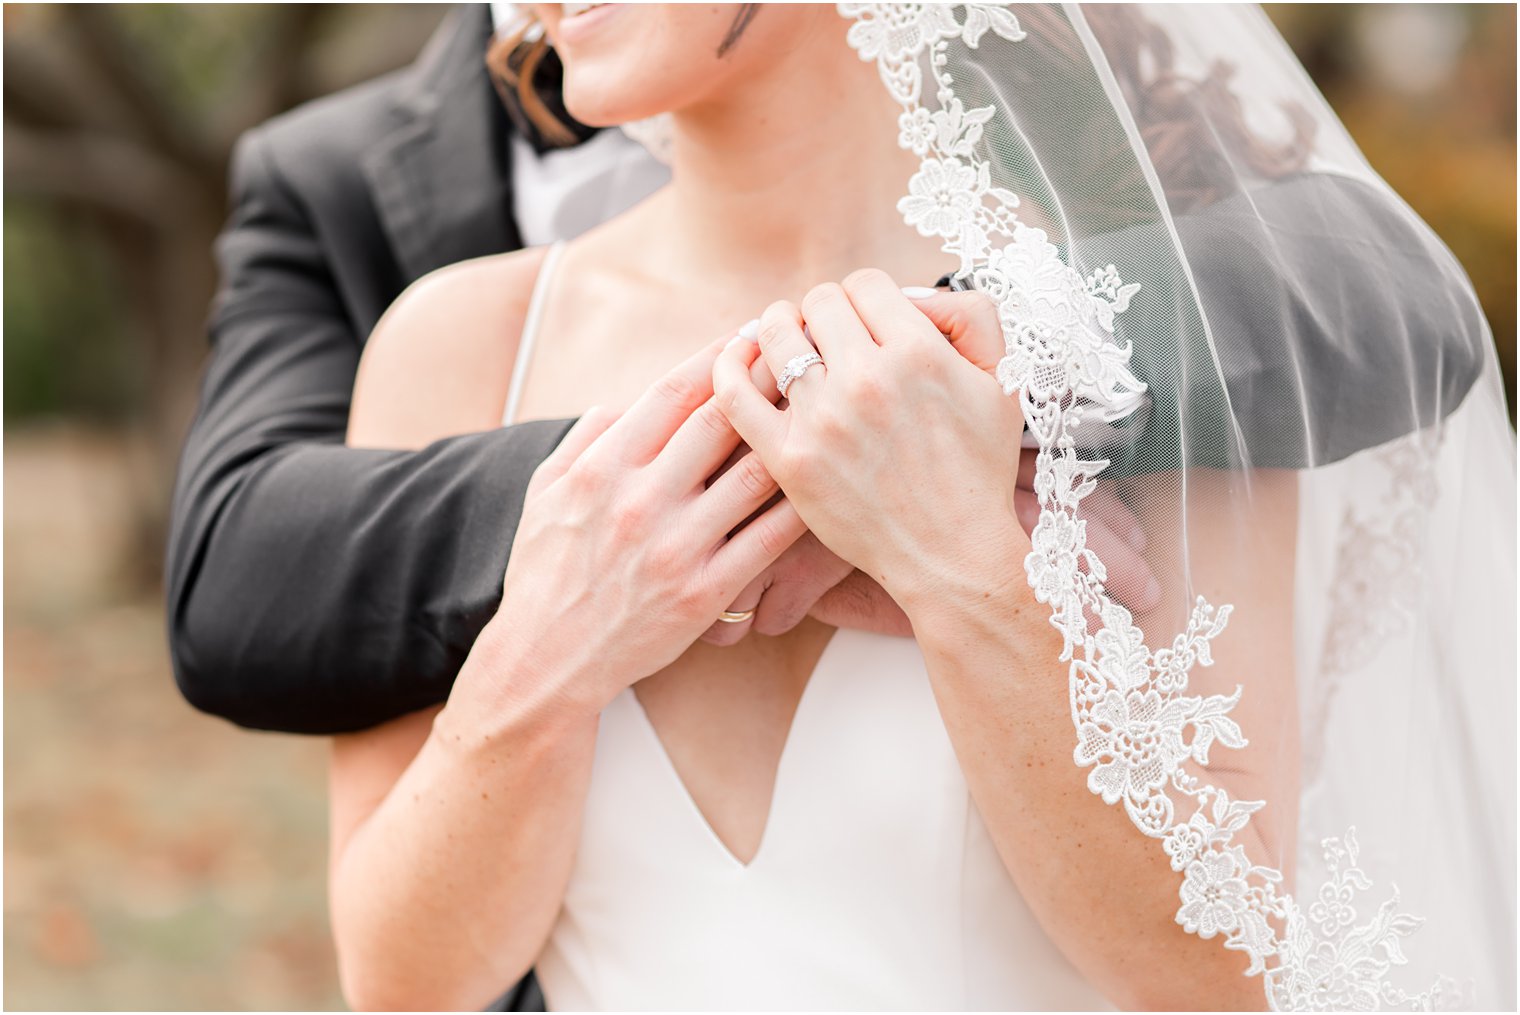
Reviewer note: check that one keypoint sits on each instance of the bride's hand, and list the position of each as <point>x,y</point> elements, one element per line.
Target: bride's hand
<point>900,452</point>
<point>623,556</point>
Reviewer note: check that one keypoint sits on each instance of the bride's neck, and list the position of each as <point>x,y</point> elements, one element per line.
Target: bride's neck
<point>793,177</point>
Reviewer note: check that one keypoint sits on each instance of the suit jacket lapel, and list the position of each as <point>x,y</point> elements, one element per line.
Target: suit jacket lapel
<point>441,176</point>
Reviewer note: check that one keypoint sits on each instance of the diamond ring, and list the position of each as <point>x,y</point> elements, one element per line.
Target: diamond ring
<point>795,368</point>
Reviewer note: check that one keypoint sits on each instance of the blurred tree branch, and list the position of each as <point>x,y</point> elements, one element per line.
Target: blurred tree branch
<point>43,94</point>
<point>280,76</point>
<point>123,117</point>
<point>108,174</point>
<point>96,35</point>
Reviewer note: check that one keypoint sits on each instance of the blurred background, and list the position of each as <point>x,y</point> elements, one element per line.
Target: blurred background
<point>157,858</point>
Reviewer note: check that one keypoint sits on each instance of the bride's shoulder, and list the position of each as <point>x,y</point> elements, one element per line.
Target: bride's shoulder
<point>439,360</point>
<point>478,298</point>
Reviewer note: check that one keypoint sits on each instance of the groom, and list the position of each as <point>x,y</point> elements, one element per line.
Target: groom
<point>315,588</point>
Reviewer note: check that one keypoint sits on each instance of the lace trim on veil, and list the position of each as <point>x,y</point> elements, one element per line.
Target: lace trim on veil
<point>1136,725</point>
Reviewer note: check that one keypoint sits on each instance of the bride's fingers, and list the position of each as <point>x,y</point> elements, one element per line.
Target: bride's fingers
<point>781,342</point>
<point>884,309</point>
<point>1101,506</point>
<point>1027,465</point>
<point>1104,505</point>
<point>760,375</point>
<point>759,423</point>
<point>970,321</point>
<point>836,329</point>
<point>1128,574</point>
<point>1026,508</point>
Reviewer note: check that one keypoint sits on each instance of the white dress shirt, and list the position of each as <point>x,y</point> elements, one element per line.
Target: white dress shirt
<point>564,192</point>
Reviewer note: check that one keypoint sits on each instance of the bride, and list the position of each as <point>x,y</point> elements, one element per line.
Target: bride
<point>838,819</point>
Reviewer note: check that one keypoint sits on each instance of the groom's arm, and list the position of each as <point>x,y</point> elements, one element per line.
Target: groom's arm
<point>311,587</point>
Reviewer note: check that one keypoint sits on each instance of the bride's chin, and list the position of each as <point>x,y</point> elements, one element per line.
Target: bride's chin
<point>607,110</point>
<point>598,116</point>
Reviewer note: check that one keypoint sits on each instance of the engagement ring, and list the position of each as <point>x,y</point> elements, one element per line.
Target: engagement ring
<point>795,368</point>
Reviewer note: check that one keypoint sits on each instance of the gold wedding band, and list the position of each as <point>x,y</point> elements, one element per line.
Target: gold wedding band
<point>729,617</point>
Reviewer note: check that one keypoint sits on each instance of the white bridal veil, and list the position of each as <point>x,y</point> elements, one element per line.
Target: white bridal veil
<point>1214,307</point>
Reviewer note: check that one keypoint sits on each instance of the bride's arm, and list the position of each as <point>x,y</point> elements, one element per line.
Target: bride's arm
<point>872,449</point>
<point>1103,891</point>
<point>453,834</point>
<point>452,841</point>
<point>435,817</point>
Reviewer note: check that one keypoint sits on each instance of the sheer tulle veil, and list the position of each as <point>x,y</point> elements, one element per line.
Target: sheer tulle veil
<point>1215,307</point>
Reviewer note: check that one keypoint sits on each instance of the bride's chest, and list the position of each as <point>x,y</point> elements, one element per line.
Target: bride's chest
<point>860,757</point>
<point>722,716</point>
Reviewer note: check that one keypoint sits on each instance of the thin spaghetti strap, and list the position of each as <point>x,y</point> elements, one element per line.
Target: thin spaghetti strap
<point>530,331</point>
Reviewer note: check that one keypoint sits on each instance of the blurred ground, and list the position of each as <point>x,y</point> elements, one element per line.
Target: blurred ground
<point>154,858</point>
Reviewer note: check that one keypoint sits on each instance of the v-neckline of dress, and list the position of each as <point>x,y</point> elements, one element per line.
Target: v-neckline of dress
<point>788,750</point>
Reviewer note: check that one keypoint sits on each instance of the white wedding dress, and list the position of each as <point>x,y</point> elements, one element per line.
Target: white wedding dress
<point>876,884</point>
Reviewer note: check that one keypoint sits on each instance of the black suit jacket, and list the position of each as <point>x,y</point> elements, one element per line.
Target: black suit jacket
<point>315,588</point>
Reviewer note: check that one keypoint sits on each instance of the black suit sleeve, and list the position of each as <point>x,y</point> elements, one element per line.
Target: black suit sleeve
<point>315,588</point>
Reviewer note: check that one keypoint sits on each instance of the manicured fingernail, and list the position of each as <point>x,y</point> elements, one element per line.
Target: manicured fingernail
<point>1152,592</point>
<point>919,292</point>
<point>751,331</point>
<point>736,339</point>
<point>1137,537</point>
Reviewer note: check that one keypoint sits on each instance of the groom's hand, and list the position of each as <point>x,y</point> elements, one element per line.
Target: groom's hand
<point>810,580</point>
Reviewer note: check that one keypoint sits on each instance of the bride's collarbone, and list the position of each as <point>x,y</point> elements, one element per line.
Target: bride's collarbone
<point>600,357</point>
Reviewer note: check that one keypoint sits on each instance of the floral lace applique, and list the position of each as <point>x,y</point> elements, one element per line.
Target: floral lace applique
<point>1377,563</point>
<point>1138,730</point>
